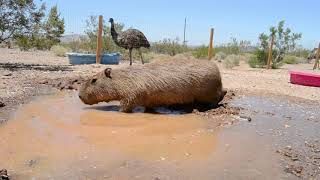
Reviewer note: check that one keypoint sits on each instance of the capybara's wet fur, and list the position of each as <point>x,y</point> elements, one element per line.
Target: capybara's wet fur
<point>156,84</point>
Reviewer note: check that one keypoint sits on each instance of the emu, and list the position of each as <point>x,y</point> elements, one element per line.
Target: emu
<point>129,39</point>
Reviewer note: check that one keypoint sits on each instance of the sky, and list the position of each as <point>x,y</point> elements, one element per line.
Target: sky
<point>159,19</point>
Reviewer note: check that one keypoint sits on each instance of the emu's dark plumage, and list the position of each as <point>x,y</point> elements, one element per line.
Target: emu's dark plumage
<point>129,39</point>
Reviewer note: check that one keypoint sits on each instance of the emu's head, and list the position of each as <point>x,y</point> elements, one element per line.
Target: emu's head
<point>111,20</point>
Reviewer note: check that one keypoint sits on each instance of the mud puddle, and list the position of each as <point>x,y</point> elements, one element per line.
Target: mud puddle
<point>57,137</point>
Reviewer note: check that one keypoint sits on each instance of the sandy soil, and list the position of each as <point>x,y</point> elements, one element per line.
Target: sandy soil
<point>274,81</point>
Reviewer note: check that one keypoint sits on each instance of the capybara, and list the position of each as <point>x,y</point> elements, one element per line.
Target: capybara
<point>155,84</point>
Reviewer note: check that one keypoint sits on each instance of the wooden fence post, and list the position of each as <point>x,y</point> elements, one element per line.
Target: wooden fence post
<point>317,63</point>
<point>270,52</point>
<point>210,53</point>
<point>99,40</point>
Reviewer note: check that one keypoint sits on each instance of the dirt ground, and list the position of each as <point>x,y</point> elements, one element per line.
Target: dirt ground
<point>260,97</point>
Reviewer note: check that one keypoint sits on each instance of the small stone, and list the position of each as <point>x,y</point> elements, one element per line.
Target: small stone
<point>296,170</point>
<point>8,74</point>
<point>44,82</point>
<point>4,174</point>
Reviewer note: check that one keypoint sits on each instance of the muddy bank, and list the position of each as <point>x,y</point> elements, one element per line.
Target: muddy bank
<point>293,125</point>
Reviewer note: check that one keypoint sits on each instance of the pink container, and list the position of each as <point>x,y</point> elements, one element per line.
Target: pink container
<point>306,79</point>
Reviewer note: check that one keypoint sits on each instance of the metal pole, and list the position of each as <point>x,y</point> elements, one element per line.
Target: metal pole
<point>184,32</point>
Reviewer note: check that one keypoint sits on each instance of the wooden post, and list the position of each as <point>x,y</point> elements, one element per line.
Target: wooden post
<point>210,53</point>
<point>317,63</point>
<point>99,40</point>
<point>270,52</point>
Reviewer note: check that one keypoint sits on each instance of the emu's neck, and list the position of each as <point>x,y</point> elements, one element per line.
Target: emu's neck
<point>114,33</point>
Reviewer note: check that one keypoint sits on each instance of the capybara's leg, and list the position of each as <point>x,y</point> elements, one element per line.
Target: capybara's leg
<point>126,105</point>
<point>149,110</point>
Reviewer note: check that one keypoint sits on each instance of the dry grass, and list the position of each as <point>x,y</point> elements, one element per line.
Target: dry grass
<point>59,51</point>
<point>231,61</point>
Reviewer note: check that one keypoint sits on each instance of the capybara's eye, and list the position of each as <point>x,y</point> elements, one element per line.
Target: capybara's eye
<point>93,81</point>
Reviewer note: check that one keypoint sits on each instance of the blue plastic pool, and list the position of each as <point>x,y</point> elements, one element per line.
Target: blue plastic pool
<point>78,58</point>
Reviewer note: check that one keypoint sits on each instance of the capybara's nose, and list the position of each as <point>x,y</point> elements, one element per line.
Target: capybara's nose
<point>80,97</point>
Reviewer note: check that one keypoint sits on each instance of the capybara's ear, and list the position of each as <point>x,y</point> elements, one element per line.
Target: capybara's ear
<point>107,72</point>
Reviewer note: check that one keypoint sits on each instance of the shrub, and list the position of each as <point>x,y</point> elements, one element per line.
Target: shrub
<point>255,63</point>
<point>168,46</point>
<point>290,60</point>
<point>276,65</point>
<point>220,56</point>
<point>300,52</point>
<point>246,57</point>
<point>23,43</point>
<point>200,52</point>
<point>231,61</point>
<point>59,50</point>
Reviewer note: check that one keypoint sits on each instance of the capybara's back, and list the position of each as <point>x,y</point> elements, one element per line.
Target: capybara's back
<point>156,84</point>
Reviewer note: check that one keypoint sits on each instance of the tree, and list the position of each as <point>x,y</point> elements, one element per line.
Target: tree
<point>17,18</point>
<point>54,26</point>
<point>35,36</point>
<point>284,42</point>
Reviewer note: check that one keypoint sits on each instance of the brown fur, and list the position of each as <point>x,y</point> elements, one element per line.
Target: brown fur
<point>156,84</point>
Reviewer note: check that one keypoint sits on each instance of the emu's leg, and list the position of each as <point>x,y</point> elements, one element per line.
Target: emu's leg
<point>141,56</point>
<point>130,56</point>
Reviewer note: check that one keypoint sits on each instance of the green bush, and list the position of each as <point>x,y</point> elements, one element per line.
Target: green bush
<point>24,43</point>
<point>276,65</point>
<point>59,50</point>
<point>260,59</point>
<point>200,52</point>
<point>231,61</point>
<point>290,60</point>
<point>255,63</point>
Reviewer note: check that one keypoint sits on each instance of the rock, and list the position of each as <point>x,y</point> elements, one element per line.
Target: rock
<point>246,117</point>
<point>293,169</point>
<point>4,174</point>
<point>8,74</point>
<point>2,104</point>
<point>44,82</point>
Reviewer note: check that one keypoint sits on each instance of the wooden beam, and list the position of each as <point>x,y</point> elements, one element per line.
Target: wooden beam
<point>270,52</point>
<point>210,50</point>
<point>317,63</point>
<point>99,40</point>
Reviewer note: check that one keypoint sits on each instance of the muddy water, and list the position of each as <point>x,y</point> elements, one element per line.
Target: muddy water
<point>57,137</point>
